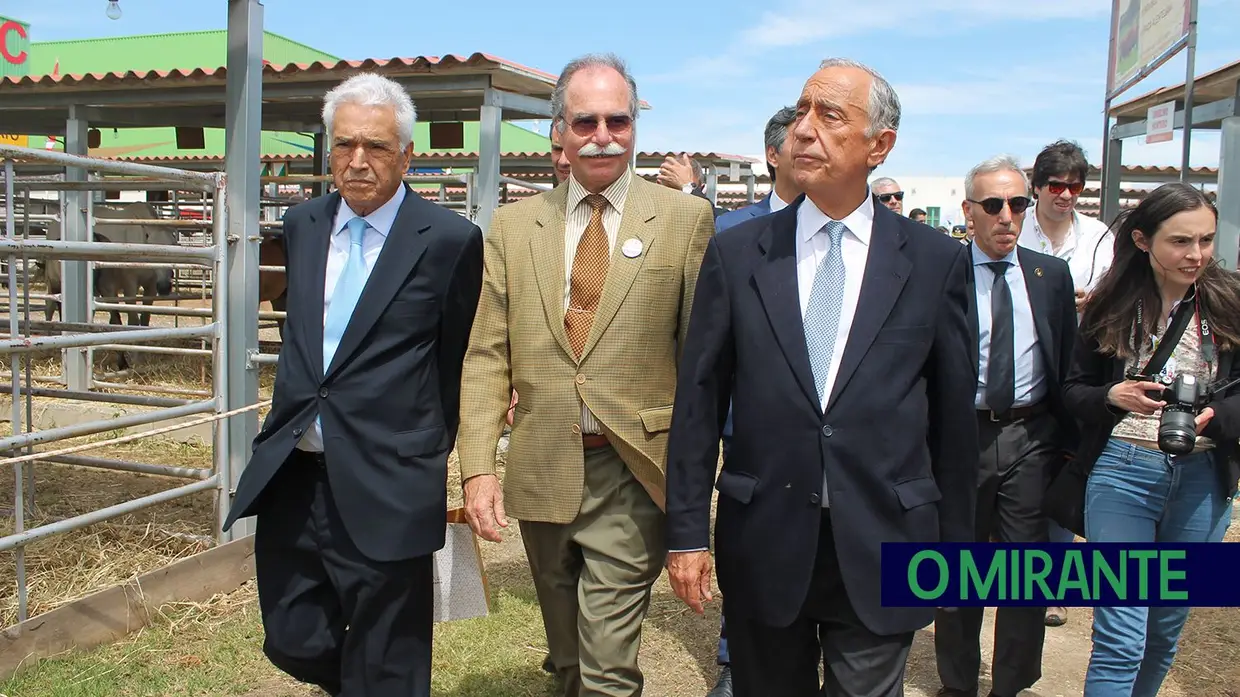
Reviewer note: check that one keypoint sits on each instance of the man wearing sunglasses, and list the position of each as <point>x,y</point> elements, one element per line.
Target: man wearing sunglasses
<point>889,194</point>
<point>1056,228</point>
<point>1025,321</point>
<point>585,301</point>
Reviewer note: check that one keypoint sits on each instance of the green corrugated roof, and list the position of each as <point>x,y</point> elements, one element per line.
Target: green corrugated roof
<point>208,49</point>
<point>184,50</point>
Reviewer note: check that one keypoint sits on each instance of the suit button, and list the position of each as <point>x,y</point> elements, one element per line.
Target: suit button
<point>827,432</point>
<point>323,393</point>
<point>581,379</point>
<point>577,429</point>
<point>815,499</point>
<point>297,432</point>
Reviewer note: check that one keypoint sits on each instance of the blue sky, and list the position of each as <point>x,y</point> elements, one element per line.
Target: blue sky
<point>975,77</point>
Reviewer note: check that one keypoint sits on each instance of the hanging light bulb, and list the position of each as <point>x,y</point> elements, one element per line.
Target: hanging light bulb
<point>114,10</point>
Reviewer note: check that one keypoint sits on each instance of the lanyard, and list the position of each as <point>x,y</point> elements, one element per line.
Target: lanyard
<point>1205,338</point>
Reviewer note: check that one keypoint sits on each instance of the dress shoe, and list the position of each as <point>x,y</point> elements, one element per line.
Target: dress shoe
<point>953,692</point>
<point>1056,616</point>
<point>549,665</point>
<point>723,688</point>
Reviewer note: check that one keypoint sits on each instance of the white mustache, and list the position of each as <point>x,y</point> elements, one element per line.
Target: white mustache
<point>593,150</point>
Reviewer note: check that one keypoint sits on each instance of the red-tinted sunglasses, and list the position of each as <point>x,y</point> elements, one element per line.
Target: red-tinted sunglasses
<point>1057,188</point>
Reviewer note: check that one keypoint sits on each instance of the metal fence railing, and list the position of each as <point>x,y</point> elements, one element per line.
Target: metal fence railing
<point>77,334</point>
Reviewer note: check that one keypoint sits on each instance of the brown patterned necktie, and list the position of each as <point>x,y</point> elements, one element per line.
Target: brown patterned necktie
<point>589,271</point>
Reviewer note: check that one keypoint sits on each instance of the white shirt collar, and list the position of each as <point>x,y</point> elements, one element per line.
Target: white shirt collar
<point>777,203</point>
<point>980,258</point>
<point>860,222</point>
<point>381,219</point>
<point>615,193</point>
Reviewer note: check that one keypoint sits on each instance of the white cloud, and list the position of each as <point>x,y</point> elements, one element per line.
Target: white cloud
<point>806,21</point>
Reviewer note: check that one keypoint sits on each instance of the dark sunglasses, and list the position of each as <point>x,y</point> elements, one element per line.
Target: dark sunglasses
<point>992,206</point>
<point>1057,188</point>
<point>886,198</point>
<point>585,126</point>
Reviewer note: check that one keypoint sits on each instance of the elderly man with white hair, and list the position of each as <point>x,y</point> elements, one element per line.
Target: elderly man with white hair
<point>348,475</point>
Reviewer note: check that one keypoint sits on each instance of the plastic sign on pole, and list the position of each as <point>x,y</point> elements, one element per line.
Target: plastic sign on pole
<point>1160,123</point>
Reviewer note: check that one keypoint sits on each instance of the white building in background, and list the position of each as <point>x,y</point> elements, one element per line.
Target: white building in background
<point>939,197</point>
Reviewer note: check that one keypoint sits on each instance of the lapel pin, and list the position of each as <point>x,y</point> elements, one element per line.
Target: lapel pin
<point>1038,272</point>
<point>632,247</point>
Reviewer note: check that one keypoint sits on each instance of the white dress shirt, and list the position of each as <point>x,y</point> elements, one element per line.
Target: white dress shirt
<point>576,218</point>
<point>1030,373</point>
<point>380,223</point>
<point>813,245</point>
<point>1088,248</point>
<point>777,203</point>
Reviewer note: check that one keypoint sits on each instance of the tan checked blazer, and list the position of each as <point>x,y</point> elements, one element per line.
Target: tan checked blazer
<point>627,372</point>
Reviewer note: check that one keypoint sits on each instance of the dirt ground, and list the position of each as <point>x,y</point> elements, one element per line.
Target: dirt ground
<point>678,650</point>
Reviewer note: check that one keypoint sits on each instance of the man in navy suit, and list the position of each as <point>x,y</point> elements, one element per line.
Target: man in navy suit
<point>839,332</point>
<point>348,478</point>
<point>783,190</point>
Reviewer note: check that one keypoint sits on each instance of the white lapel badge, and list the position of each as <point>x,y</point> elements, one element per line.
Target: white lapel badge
<point>632,248</point>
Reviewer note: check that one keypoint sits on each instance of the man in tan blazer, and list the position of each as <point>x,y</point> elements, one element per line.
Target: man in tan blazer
<point>585,302</point>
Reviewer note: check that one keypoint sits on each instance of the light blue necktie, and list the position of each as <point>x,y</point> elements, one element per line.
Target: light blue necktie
<point>822,316</point>
<point>348,290</point>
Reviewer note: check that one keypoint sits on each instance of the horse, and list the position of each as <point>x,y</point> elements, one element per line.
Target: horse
<point>125,284</point>
<point>273,285</point>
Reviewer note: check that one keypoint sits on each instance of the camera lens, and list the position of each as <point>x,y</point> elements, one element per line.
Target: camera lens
<point>1177,431</point>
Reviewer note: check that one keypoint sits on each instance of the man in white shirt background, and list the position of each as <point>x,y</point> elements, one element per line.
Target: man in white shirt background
<point>1057,229</point>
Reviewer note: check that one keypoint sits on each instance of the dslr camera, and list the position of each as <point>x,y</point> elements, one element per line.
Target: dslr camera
<point>1185,398</point>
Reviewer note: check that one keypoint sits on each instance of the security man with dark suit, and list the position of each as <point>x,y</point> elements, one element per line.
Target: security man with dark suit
<point>348,475</point>
<point>1023,309</point>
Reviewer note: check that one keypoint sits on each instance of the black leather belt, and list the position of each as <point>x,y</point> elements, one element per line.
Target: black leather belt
<point>1013,414</point>
<point>310,458</point>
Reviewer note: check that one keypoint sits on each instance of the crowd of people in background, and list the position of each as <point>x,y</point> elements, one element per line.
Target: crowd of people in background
<point>869,378</point>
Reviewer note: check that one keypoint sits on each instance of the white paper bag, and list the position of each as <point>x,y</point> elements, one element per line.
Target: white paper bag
<point>460,583</point>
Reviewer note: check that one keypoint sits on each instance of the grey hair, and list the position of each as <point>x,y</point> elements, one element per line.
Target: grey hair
<point>883,181</point>
<point>884,105</point>
<point>998,163</point>
<point>699,175</point>
<point>777,128</point>
<point>590,60</point>
<point>371,89</point>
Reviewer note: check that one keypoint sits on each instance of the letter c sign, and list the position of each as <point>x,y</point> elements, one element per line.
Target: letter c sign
<point>5,29</point>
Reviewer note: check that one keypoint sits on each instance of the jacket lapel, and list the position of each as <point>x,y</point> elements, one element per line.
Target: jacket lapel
<point>973,319</point>
<point>1035,286</point>
<point>639,210</point>
<point>886,270</point>
<point>547,248</point>
<point>401,251</point>
<point>320,233</point>
<point>776,278</point>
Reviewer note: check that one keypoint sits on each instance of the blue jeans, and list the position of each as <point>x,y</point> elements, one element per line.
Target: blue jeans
<point>1137,494</point>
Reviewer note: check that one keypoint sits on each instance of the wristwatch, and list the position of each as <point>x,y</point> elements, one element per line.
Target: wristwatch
<point>687,188</point>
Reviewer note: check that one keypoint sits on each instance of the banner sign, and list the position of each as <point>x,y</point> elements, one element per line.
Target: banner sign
<point>1143,34</point>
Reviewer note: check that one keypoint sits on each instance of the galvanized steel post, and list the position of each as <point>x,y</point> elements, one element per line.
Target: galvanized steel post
<point>243,122</point>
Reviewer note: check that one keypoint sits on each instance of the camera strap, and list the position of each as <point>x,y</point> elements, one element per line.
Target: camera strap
<point>1175,329</point>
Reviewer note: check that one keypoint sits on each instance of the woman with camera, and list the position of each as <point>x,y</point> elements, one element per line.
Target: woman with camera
<point>1160,460</point>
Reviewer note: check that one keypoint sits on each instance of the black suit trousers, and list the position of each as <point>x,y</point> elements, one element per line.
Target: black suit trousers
<point>783,661</point>
<point>332,617</point>
<point>1016,458</point>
